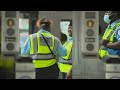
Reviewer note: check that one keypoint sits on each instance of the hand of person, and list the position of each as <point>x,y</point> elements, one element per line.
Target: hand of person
<point>103,48</point>
<point>105,42</point>
<point>69,75</point>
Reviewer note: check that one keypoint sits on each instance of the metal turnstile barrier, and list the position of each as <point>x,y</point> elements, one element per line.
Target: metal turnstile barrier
<point>24,68</point>
<point>112,66</point>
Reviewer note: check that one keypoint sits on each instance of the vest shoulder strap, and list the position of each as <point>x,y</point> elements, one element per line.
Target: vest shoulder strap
<point>114,30</point>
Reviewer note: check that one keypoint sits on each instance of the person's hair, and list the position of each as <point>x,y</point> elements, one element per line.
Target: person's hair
<point>45,27</point>
<point>63,37</point>
<point>112,13</point>
<point>70,23</point>
<point>45,21</point>
<point>117,12</point>
<point>38,23</point>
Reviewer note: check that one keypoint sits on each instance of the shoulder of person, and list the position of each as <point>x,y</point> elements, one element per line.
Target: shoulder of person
<point>57,39</point>
<point>118,28</point>
<point>33,34</point>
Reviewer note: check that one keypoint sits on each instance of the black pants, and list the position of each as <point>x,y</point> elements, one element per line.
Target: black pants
<point>64,75</point>
<point>51,72</point>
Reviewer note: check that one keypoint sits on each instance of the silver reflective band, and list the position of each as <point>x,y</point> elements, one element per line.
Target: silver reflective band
<point>65,61</point>
<point>115,77</point>
<point>42,57</point>
<point>35,43</point>
<point>25,77</point>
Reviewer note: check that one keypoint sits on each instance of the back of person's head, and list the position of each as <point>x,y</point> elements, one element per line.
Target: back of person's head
<point>45,21</point>
<point>45,24</point>
<point>45,27</point>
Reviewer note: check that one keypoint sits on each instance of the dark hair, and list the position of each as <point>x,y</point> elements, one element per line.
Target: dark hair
<point>113,15</point>
<point>118,13</point>
<point>63,37</point>
<point>70,23</point>
<point>113,12</point>
<point>45,21</point>
<point>45,27</point>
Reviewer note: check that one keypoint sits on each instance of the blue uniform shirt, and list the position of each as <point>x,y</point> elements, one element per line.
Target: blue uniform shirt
<point>61,51</point>
<point>70,38</point>
<point>116,38</point>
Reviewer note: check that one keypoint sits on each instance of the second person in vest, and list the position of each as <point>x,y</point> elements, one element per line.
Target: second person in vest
<point>111,37</point>
<point>65,63</point>
<point>43,47</point>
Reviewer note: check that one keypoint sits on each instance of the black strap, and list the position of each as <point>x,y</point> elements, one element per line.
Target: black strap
<point>48,46</point>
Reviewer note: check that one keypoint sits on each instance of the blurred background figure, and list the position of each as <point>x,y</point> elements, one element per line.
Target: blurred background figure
<point>63,38</point>
<point>65,63</point>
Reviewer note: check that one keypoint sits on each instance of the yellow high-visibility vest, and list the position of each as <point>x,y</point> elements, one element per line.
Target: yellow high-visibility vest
<point>41,54</point>
<point>65,63</point>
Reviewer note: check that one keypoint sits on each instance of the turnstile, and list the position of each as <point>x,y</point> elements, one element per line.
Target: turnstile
<point>24,68</point>
<point>112,66</point>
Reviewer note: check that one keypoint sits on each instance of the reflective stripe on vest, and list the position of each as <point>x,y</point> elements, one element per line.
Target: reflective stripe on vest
<point>109,35</point>
<point>39,50</point>
<point>66,59</point>
<point>43,57</point>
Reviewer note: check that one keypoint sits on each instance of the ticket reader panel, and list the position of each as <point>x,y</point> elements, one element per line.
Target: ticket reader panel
<point>86,64</point>
<point>90,32</point>
<point>10,32</point>
<point>93,67</point>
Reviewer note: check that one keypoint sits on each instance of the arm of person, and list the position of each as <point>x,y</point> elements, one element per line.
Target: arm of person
<point>69,74</point>
<point>61,51</point>
<point>115,45</point>
<point>104,42</point>
<point>26,46</point>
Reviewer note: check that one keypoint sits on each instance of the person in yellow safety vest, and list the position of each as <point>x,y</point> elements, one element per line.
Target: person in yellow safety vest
<point>111,38</point>
<point>65,63</point>
<point>63,38</point>
<point>43,47</point>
